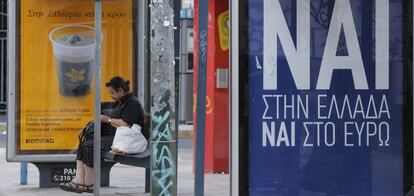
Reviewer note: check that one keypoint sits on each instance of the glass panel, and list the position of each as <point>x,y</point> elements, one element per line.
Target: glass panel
<point>326,99</point>
<point>55,76</point>
<point>119,26</point>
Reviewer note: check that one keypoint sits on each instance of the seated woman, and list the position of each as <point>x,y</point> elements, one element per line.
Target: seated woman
<point>127,112</point>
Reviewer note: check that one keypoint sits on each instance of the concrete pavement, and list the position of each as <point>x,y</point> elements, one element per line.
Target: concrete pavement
<point>125,180</point>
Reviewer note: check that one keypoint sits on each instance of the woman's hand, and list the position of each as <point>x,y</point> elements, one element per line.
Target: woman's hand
<point>119,122</point>
<point>105,119</point>
<point>114,122</point>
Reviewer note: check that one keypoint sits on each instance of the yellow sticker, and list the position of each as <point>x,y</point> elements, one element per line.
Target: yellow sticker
<point>223,26</point>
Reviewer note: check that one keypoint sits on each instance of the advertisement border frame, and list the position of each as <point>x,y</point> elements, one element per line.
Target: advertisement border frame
<point>405,81</point>
<point>13,99</point>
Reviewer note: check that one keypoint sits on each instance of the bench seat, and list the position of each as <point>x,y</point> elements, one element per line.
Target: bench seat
<point>139,160</point>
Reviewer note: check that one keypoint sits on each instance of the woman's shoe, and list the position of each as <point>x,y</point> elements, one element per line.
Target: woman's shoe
<point>72,187</point>
<point>88,189</point>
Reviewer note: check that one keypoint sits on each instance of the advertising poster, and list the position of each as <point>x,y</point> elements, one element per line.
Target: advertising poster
<point>326,98</point>
<point>57,51</point>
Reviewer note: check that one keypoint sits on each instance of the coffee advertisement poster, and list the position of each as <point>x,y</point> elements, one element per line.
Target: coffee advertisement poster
<point>57,59</point>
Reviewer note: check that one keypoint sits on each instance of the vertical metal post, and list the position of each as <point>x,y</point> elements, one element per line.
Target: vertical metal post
<point>97,102</point>
<point>234,97</point>
<point>411,193</point>
<point>163,140</point>
<point>11,81</point>
<point>201,96</point>
<point>177,29</point>
<point>142,53</point>
<point>23,173</point>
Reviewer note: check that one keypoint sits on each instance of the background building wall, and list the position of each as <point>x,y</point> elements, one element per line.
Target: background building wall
<point>3,55</point>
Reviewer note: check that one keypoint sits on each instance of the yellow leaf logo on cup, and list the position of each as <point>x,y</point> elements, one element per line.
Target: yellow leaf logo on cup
<point>76,75</point>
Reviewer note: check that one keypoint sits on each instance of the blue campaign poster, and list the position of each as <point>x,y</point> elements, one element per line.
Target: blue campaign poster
<point>325,91</point>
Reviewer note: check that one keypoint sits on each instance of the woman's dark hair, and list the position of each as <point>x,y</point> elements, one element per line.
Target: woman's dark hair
<point>118,83</point>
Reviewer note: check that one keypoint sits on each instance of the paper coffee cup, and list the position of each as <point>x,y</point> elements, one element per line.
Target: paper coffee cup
<point>74,51</point>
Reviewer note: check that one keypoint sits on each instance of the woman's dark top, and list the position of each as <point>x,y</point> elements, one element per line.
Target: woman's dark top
<point>129,110</point>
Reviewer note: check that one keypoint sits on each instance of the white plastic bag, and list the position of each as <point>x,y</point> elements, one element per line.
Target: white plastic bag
<point>129,140</point>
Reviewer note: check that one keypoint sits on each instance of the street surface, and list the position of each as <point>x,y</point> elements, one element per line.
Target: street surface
<point>125,180</point>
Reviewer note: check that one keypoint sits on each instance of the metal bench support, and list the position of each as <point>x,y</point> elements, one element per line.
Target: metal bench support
<point>52,174</point>
<point>147,180</point>
<point>132,160</point>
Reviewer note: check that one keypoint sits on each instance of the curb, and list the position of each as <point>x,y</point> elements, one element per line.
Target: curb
<point>185,134</point>
<point>185,131</point>
<point>2,127</point>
